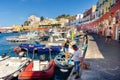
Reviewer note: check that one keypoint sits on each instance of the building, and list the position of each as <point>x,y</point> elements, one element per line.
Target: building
<point>88,14</point>
<point>64,22</point>
<point>33,20</point>
<point>104,6</point>
<point>78,20</point>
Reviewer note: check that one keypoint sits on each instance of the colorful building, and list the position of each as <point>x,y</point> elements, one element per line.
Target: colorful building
<point>108,15</point>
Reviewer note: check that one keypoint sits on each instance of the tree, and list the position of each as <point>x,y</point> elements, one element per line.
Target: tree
<point>72,18</point>
<point>41,18</point>
<point>66,16</point>
<point>26,23</point>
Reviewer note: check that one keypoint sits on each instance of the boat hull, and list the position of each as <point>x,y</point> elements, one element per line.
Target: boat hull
<point>39,75</point>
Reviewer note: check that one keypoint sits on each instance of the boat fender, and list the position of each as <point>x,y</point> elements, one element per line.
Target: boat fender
<point>17,50</point>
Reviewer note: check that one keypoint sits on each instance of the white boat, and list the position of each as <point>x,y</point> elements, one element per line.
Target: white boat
<point>56,37</point>
<point>12,66</point>
<point>3,58</point>
<point>62,62</point>
<point>17,39</point>
<point>23,37</point>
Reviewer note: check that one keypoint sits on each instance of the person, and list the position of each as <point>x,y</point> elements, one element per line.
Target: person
<point>85,39</point>
<point>66,45</point>
<point>99,33</point>
<point>109,35</point>
<point>78,60</point>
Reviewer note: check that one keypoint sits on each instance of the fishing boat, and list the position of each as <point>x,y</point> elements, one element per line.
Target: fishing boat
<point>38,70</point>
<point>64,61</point>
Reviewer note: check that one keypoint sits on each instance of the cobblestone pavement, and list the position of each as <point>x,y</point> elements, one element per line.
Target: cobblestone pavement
<point>104,60</point>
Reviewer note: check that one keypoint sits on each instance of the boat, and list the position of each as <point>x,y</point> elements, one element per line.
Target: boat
<point>64,61</point>
<point>17,39</point>
<point>31,45</point>
<point>42,70</point>
<point>56,48</point>
<point>23,37</point>
<point>38,70</point>
<point>42,48</point>
<point>54,44</point>
<point>5,55</point>
<point>56,38</point>
<point>12,66</point>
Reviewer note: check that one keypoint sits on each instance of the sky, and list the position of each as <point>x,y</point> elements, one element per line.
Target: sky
<point>15,12</point>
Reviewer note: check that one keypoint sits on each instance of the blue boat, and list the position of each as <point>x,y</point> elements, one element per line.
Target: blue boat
<point>55,48</point>
<point>30,47</point>
<point>41,48</point>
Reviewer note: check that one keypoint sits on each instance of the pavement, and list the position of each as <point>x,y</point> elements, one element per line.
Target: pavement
<point>103,58</point>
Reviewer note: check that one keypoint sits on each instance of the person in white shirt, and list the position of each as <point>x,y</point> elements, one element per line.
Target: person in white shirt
<point>78,59</point>
<point>109,35</point>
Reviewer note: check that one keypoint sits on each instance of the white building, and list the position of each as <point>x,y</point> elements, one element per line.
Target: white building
<point>78,20</point>
<point>33,19</point>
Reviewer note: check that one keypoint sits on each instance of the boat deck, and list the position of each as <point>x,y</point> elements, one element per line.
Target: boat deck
<point>11,65</point>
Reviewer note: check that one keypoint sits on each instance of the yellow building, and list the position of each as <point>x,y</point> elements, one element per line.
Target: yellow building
<point>104,5</point>
<point>20,28</point>
<point>93,8</point>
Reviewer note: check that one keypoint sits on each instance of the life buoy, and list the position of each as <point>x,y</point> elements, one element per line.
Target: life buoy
<point>17,50</point>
